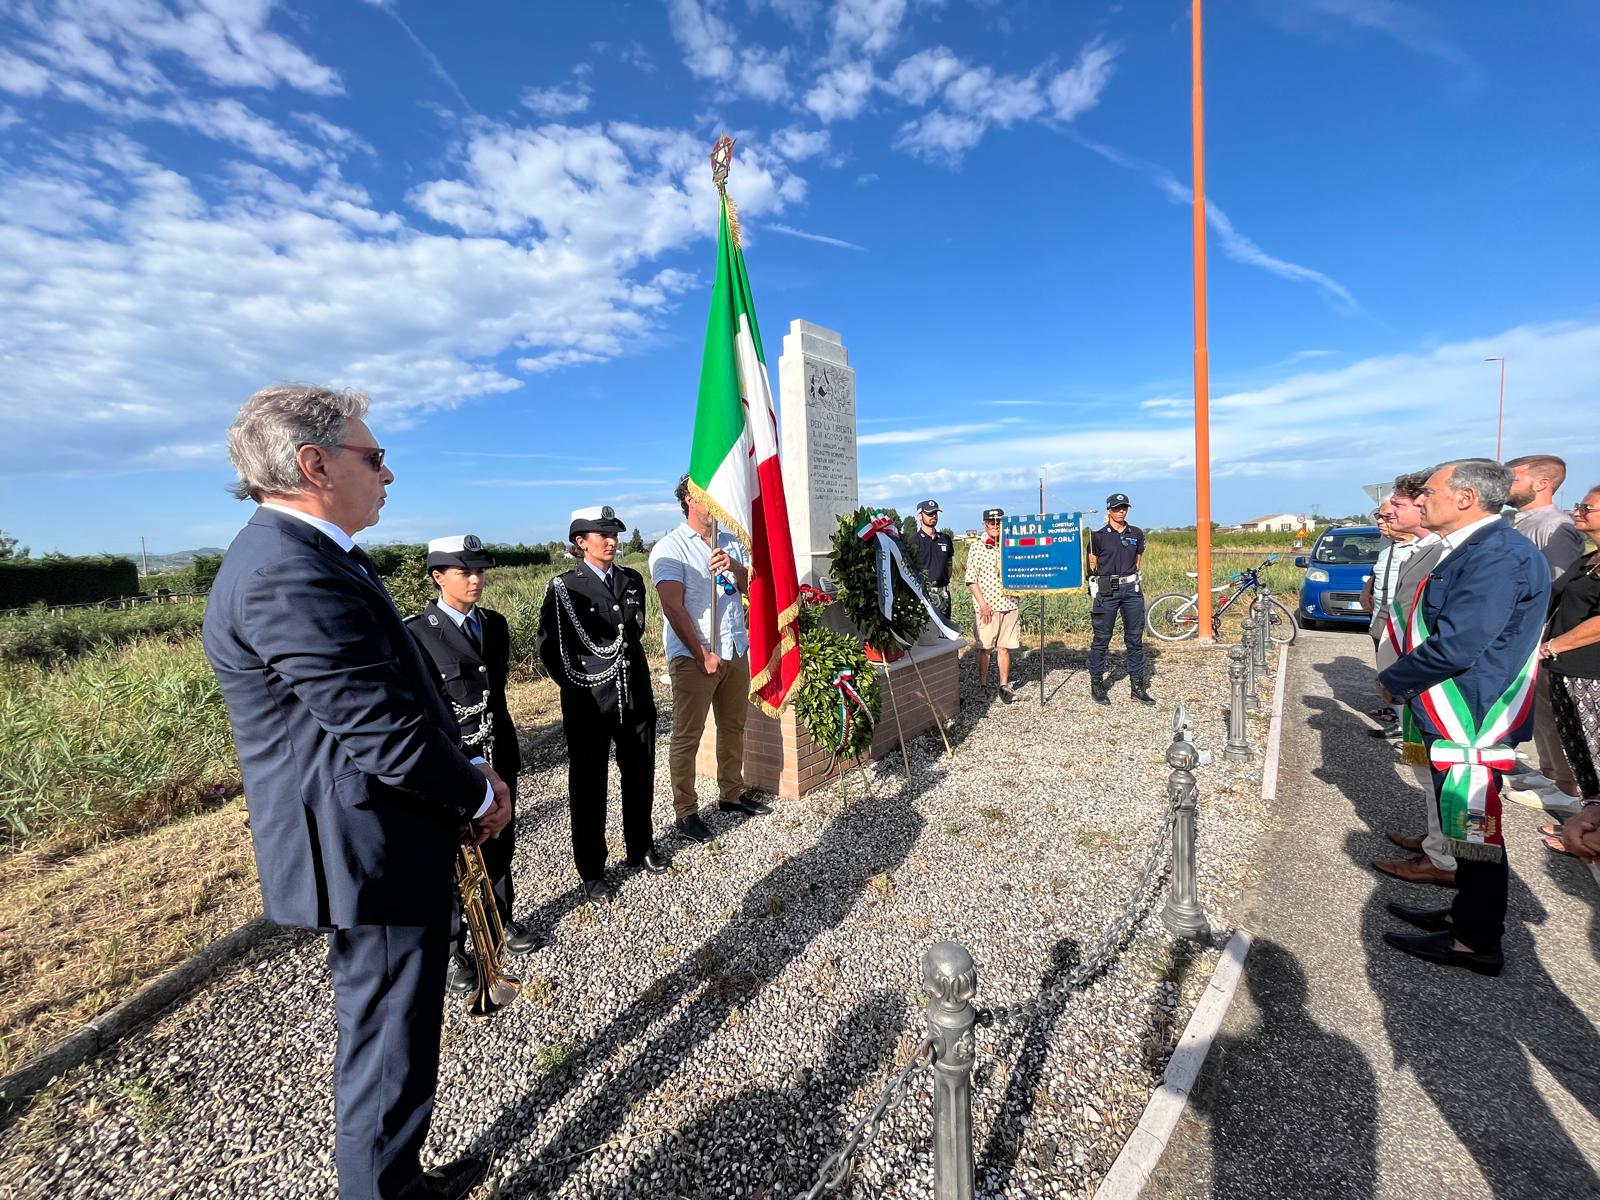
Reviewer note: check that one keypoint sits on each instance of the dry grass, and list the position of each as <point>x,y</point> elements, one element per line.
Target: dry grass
<point>81,934</point>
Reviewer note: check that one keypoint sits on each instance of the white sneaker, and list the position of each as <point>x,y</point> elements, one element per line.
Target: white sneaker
<point>1531,781</point>
<point>1526,797</point>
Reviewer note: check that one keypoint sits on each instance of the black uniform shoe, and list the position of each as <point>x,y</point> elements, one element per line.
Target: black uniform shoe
<point>1389,733</point>
<point>452,1181</point>
<point>598,891</point>
<point>463,976</point>
<point>520,939</point>
<point>1431,919</point>
<point>748,802</point>
<point>693,828</point>
<point>1097,689</point>
<point>649,861</point>
<point>1441,948</point>
<point>1140,689</point>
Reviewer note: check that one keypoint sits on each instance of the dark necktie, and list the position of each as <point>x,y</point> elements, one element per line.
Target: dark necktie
<point>618,585</point>
<point>367,565</point>
<point>474,630</point>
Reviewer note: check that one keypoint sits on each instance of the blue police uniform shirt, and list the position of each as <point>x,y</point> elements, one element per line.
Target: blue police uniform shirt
<point>1116,553</point>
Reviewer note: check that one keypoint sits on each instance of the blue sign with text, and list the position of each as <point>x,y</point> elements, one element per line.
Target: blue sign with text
<point>1042,553</point>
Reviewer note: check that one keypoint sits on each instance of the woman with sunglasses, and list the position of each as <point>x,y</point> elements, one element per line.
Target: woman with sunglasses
<point>1570,654</point>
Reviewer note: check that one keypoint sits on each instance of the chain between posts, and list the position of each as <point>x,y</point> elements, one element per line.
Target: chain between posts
<point>1156,865</point>
<point>835,1168</point>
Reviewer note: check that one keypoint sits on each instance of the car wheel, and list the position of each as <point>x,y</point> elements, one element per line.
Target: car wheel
<point>1309,623</point>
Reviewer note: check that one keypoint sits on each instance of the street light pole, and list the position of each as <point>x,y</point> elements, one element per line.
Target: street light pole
<point>1202,358</point>
<point>1500,420</point>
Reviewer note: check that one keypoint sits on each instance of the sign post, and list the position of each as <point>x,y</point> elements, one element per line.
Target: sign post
<point>1041,554</point>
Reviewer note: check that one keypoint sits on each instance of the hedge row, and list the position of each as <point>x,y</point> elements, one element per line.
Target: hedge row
<point>25,581</point>
<point>388,559</point>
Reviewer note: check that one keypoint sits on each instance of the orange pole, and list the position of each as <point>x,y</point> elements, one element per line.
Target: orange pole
<point>1202,360</point>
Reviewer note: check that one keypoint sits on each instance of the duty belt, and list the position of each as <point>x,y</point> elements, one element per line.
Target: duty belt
<point>1118,580</point>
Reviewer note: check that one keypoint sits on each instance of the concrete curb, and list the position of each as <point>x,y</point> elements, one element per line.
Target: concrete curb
<point>1144,1147</point>
<point>1142,1152</point>
<point>150,1001</point>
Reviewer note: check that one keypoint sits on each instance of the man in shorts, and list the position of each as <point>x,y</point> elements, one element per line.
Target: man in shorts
<point>997,610</point>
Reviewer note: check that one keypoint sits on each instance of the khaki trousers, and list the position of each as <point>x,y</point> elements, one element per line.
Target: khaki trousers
<point>694,693</point>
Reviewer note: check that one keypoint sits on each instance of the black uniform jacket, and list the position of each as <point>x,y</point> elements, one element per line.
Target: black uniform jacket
<point>601,612</point>
<point>465,674</point>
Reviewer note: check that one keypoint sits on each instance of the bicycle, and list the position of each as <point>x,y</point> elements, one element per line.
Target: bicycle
<point>1172,617</point>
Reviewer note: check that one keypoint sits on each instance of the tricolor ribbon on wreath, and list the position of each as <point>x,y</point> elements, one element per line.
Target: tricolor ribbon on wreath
<point>845,681</point>
<point>881,527</point>
<point>1469,753</point>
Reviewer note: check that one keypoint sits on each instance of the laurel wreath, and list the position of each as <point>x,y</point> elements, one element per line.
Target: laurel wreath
<point>855,583</point>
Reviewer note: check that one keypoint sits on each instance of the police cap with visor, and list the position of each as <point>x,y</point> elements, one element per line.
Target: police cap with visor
<point>602,518</point>
<point>463,550</point>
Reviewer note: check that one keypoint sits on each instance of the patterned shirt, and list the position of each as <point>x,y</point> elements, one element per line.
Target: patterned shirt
<point>983,569</point>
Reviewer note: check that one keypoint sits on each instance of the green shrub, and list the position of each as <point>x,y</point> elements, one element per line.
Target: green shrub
<point>36,635</point>
<point>25,581</point>
<point>389,559</point>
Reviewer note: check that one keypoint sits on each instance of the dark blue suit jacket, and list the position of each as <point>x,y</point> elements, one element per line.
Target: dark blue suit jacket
<point>1485,607</point>
<point>353,772</point>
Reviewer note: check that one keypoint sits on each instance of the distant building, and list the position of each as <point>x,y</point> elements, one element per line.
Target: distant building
<point>1273,523</point>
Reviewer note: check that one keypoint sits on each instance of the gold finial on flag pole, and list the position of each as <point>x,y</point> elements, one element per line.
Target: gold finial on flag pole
<point>721,161</point>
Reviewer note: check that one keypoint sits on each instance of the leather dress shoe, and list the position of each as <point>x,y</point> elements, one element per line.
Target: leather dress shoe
<point>1430,920</point>
<point>598,891</point>
<point>749,804</point>
<point>649,861</point>
<point>1416,870</point>
<point>693,828</point>
<point>1441,948</point>
<point>1406,842</point>
<point>520,939</point>
<point>463,975</point>
<point>451,1181</point>
<point>1389,733</point>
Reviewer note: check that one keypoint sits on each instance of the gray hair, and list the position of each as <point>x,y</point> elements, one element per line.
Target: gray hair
<point>265,438</point>
<point>1489,479</point>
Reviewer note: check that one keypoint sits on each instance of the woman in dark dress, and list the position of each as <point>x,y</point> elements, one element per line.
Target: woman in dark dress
<point>1571,655</point>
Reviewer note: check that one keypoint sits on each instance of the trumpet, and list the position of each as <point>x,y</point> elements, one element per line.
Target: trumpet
<point>495,990</point>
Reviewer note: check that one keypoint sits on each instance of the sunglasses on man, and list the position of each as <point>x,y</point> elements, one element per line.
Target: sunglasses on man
<point>373,454</point>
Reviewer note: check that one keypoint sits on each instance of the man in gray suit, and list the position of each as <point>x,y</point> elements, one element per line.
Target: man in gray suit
<point>358,789</point>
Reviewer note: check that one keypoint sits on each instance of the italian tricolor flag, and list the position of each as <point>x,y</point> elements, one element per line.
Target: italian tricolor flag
<point>734,469</point>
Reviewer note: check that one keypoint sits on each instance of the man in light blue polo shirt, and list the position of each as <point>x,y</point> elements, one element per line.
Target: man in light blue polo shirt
<point>707,673</point>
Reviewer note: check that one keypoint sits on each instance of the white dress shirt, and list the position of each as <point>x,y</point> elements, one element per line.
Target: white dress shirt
<point>1453,541</point>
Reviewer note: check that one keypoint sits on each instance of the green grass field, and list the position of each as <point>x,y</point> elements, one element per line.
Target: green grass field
<point>111,721</point>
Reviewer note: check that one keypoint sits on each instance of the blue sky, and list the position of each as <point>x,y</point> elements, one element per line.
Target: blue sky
<point>497,220</point>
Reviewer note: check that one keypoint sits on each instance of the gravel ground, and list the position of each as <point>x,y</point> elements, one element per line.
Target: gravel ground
<point>717,1031</point>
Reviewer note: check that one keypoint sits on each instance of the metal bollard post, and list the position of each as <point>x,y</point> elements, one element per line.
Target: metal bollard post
<point>950,980</point>
<point>1252,634</point>
<point>1183,915</point>
<point>1263,636</point>
<point>1238,747</point>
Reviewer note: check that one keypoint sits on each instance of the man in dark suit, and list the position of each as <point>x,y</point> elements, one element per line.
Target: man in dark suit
<point>591,627</point>
<point>1468,676</point>
<point>357,786</point>
<point>470,648</point>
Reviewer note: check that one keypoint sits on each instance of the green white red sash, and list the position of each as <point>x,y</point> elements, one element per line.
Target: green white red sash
<point>1471,752</point>
<point>845,681</point>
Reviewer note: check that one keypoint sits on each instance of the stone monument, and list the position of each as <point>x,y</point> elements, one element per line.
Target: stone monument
<point>817,400</point>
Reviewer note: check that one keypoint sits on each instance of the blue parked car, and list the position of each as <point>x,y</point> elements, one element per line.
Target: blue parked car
<point>1337,570</point>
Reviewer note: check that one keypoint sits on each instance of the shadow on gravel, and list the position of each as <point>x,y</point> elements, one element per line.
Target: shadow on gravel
<point>1467,1038</point>
<point>782,1130</point>
<point>778,918</point>
<point>1310,1098</point>
<point>998,1158</point>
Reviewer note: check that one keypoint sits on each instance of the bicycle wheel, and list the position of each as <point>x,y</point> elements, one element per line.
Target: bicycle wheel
<point>1280,624</point>
<point>1172,617</point>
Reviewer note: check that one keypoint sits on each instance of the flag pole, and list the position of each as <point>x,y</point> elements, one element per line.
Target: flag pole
<point>1202,359</point>
<point>721,161</point>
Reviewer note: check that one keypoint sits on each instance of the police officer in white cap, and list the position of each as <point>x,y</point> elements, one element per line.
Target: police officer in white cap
<point>1116,551</point>
<point>591,627</point>
<point>469,646</point>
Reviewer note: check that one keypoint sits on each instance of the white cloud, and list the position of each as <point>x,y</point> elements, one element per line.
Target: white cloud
<point>841,94</point>
<point>917,79</point>
<point>920,433</point>
<point>558,100</point>
<point>1078,89</point>
<point>1409,25</point>
<point>867,26</point>
<point>794,144</point>
<point>147,311</point>
<point>940,136</point>
<point>711,50</point>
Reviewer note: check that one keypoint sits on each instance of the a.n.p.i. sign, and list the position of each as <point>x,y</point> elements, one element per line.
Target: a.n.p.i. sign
<point>1042,553</point>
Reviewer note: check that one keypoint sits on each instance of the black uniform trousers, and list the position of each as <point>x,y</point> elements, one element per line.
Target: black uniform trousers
<point>591,735</point>
<point>1478,913</point>
<point>497,854</point>
<point>388,994</point>
<point>1128,600</point>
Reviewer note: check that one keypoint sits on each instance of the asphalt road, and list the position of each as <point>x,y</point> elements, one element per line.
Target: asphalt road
<point>1347,1069</point>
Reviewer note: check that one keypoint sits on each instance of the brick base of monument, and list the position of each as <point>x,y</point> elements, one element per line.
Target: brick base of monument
<point>781,758</point>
